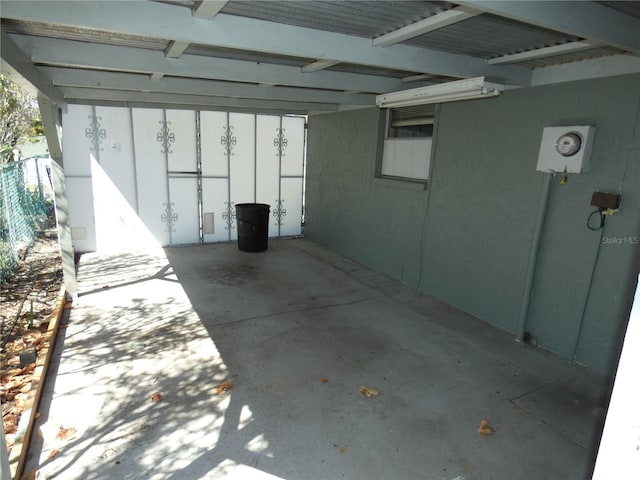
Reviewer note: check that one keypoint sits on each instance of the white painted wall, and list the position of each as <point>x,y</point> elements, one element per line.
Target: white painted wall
<point>133,174</point>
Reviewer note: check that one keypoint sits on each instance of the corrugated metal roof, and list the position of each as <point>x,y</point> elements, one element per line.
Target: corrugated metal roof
<point>82,34</point>
<point>484,37</point>
<point>361,18</point>
<point>487,36</point>
<point>571,57</point>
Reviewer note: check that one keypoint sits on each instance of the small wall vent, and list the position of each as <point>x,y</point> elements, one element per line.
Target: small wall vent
<point>207,224</point>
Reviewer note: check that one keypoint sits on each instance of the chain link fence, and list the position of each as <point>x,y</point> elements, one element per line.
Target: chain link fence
<point>25,207</point>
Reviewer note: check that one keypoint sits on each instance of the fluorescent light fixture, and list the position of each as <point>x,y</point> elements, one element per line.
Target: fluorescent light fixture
<point>466,89</point>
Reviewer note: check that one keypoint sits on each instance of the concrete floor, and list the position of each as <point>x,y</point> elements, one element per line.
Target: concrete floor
<point>275,324</point>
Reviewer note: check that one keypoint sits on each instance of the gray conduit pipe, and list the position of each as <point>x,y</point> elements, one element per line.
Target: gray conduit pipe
<point>533,257</point>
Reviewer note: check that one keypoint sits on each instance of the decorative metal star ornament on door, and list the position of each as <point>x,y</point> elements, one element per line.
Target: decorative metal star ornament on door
<point>165,136</point>
<point>170,217</point>
<point>279,212</point>
<point>228,140</point>
<point>94,133</point>
<point>280,142</point>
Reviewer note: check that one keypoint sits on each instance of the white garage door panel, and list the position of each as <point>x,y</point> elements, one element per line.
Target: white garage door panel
<point>291,206</point>
<point>184,220</point>
<point>76,147</point>
<point>242,158</point>
<point>268,161</point>
<point>215,212</point>
<point>151,172</point>
<point>293,145</point>
<point>213,141</point>
<point>83,236</point>
<point>181,140</point>
<point>116,158</point>
<point>118,226</point>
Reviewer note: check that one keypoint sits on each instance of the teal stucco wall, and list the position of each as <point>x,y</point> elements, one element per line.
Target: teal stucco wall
<point>466,239</point>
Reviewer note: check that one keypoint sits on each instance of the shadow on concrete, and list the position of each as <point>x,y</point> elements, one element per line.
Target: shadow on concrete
<point>276,324</point>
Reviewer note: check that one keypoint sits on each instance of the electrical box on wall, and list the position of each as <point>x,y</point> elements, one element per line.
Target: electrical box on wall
<point>605,201</point>
<point>566,149</point>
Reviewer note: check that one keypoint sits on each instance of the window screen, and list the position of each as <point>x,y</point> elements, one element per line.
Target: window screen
<point>407,143</point>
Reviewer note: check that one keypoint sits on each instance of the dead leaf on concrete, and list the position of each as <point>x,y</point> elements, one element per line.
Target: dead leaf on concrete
<point>342,448</point>
<point>324,380</point>
<point>223,387</point>
<point>368,391</point>
<point>66,433</point>
<point>484,428</point>
<point>156,396</point>
<point>53,452</point>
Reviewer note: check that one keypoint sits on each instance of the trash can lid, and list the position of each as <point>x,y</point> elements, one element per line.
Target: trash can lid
<point>252,205</point>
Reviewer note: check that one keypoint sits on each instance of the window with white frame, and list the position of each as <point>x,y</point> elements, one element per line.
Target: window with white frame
<point>407,143</point>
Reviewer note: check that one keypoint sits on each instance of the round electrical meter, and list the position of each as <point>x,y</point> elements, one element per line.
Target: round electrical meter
<point>569,144</point>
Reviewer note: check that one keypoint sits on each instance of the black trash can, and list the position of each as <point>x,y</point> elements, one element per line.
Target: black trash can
<point>253,226</point>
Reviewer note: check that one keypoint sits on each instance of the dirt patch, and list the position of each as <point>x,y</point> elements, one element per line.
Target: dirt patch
<point>28,299</point>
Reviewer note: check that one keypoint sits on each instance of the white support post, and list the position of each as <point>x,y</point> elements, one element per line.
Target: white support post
<point>48,110</point>
<point>619,451</point>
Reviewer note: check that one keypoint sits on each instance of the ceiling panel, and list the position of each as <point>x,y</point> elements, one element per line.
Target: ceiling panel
<point>571,57</point>
<point>361,18</point>
<point>629,7</point>
<point>487,36</point>
<point>263,44</point>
